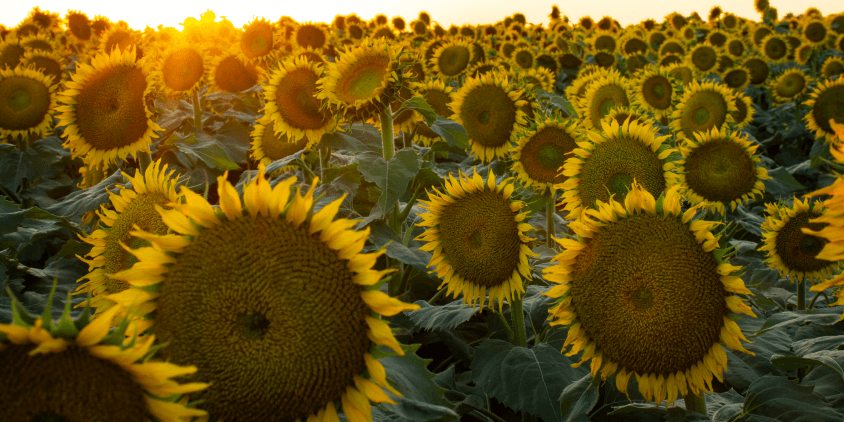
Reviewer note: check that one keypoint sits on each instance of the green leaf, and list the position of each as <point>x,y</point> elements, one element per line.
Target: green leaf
<point>825,358</point>
<point>560,103</point>
<point>235,140</point>
<point>209,150</point>
<point>783,184</point>
<point>347,177</point>
<point>282,163</point>
<point>723,406</point>
<point>527,380</point>
<point>31,164</point>
<point>446,317</point>
<point>423,399</point>
<point>579,398</point>
<point>421,106</point>
<point>84,200</point>
<point>391,177</point>
<point>382,236</point>
<point>784,400</point>
<point>452,132</point>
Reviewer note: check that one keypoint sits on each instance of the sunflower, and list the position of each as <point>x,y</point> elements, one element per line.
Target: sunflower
<point>703,107</point>
<point>730,22</point>
<point>832,66</point>
<point>133,207</point>
<point>27,103</point>
<point>743,114</point>
<point>311,36</point>
<point>79,26</point>
<point>438,95</point>
<point>541,153</point>
<point>683,72</point>
<point>608,164</point>
<point>538,78</point>
<point>827,103</point>
<point>76,370</point>
<point>300,316</point>
<point>182,69</point>
<point>645,293</point>
<point>815,32</point>
<point>119,37</point>
<point>576,92</point>
<point>292,103</point>
<point>268,146</point>
<point>362,80</point>
<point>232,72</point>
<point>523,57</point>
<point>736,78</point>
<point>257,41</point>
<point>11,52</point>
<point>788,86</point>
<point>570,60</point>
<point>602,95</point>
<point>451,59</point>
<point>758,68</point>
<point>106,108</point>
<point>775,48</point>
<point>621,114</point>
<point>42,42</point>
<point>719,168</point>
<point>704,58</point>
<point>654,91</point>
<point>50,64</point>
<point>633,45</point>
<point>489,110</point>
<point>790,250</point>
<point>735,47</point>
<point>477,236</point>
<point>672,46</point>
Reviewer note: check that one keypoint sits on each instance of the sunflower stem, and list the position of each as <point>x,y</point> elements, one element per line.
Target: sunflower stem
<point>695,403</point>
<point>801,295</point>
<point>549,219</point>
<point>488,414</point>
<point>812,303</point>
<point>386,116</point>
<point>796,111</point>
<point>437,296</point>
<point>197,111</point>
<point>506,325</point>
<point>518,317</point>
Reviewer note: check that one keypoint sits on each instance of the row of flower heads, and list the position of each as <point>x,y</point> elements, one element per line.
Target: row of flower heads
<point>175,233</point>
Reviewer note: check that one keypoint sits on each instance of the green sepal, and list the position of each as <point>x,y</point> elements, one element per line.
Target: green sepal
<point>47,315</point>
<point>659,203</point>
<point>66,328</point>
<point>85,318</point>
<point>20,316</point>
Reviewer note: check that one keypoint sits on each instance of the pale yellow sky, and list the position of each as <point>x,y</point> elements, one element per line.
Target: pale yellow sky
<point>170,13</point>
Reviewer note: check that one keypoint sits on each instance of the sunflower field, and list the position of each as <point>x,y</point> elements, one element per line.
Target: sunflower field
<point>390,221</point>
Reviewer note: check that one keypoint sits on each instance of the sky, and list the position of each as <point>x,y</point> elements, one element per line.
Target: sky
<point>139,14</point>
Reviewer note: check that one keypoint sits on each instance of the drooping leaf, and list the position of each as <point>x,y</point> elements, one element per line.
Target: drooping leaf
<point>825,358</point>
<point>391,177</point>
<point>782,399</point>
<point>419,105</point>
<point>526,380</point>
<point>208,150</point>
<point>452,132</point>
<point>445,317</point>
<point>423,399</point>
<point>84,200</point>
<point>579,398</point>
<point>383,236</point>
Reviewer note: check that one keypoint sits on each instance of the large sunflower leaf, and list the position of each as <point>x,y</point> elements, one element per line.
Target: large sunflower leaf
<point>784,400</point>
<point>423,399</point>
<point>383,236</point>
<point>208,150</point>
<point>419,105</point>
<point>391,177</point>
<point>527,380</point>
<point>579,398</point>
<point>84,200</point>
<point>452,132</point>
<point>825,358</point>
<point>446,317</point>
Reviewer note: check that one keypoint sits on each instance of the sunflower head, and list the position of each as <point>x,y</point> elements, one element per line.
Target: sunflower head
<point>703,107</point>
<point>789,249</point>
<point>451,59</point>
<point>107,108</point>
<point>775,48</point>
<point>490,112</point>
<point>832,66</point>
<point>743,114</point>
<point>277,268</point>
<point>644,293</point>
<point>257,41</point>
<point>539,156</point>
<point>182,69</point>
<point>311,36</point>
<point>292,101</point>
<point>477,236</point>
<point>736,78</point>
<point>655,91</point>
<point>758,68</point>
<point>604,93</point>
<point>232,72</point>
<point>719,169</point>
<point>704,58</point>
<point>11,52</point>
<point>815,32</point>
<point>788,86</point>
<point>27,102</point>
<point>54,358</point>
<point>606,165</point>
<point>827,104</point>
<point>133,208</point>
<point>362,80</point>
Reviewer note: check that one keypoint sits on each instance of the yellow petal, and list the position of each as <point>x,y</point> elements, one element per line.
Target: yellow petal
<point>386,305</point>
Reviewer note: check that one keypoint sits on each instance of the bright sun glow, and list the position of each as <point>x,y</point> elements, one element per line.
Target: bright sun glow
<point>170,13</point>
